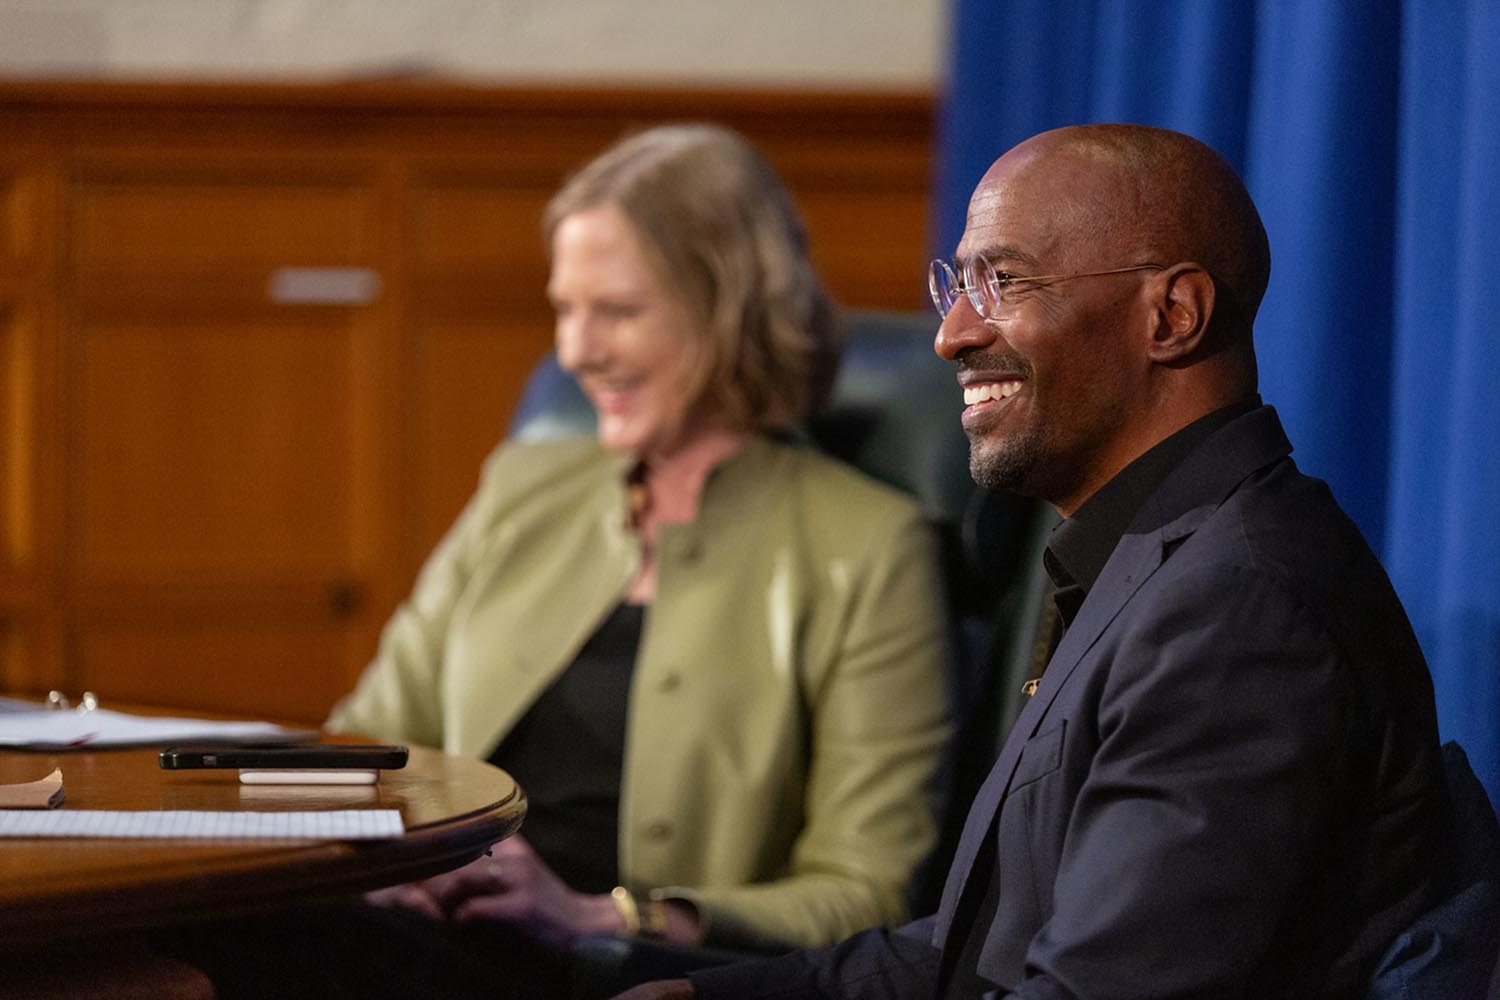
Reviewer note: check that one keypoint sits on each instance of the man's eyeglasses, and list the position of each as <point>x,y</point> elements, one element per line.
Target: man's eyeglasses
<point>989,291</point>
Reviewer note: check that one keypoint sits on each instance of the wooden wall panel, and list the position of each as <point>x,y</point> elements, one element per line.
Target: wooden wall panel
<point>17,491</point>
<point>30,465</point>
<point>479,323</point>
<point>870,239</point>
<point>13,651</point>
<point>20,370</point>
<point>465,378</point>
<point>31,643</point>
<point>239,465</point>
<point>269,668</point>
<point>227,441</point>
<point>475,245</point>
<point>13,217</point>
<point>215,489</point>
<point>184,220</point>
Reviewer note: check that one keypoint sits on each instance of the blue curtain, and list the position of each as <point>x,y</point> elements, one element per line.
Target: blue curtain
<point>1369,134</point>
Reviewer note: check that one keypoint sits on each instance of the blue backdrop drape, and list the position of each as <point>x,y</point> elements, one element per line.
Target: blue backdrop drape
<point>1369,134</point>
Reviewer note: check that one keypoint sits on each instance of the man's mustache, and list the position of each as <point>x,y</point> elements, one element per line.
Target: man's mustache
<point>996,364</point>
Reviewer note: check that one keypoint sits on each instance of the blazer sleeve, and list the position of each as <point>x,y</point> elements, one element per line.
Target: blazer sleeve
<point>1223,725</point>
<point>877,964</point>
<point>878,724</point>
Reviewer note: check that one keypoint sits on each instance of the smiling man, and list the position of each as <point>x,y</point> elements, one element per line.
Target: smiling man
<point>1227,782</point>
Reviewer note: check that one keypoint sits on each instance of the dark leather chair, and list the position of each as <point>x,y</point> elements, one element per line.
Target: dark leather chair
<point>894,414</point>
<point>1451,952</point>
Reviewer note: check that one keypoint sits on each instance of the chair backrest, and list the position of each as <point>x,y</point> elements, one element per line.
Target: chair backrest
<point>894,414</point>
<point>1451,951</point>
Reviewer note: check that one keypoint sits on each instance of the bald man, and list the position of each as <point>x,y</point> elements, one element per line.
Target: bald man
<point>1227,782</point>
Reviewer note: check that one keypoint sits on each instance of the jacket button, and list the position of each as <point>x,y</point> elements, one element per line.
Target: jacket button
<point>659,830</point>
<point>669,682</point>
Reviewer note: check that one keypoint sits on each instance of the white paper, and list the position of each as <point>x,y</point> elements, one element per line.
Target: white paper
<point>44,729</point>
<point>332,824</point>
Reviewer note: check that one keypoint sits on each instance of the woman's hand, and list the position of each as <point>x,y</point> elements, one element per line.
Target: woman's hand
<point>515,886</point>
<point>428,896</point>
<point>412,896</point>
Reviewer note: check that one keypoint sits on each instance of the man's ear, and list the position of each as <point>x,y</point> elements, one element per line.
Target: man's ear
<point>1183,307</point>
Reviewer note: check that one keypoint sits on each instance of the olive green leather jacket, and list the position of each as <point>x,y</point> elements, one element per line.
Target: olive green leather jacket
<point>786,712</point>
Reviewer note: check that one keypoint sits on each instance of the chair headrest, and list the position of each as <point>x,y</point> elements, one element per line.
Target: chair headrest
<point>894,410</point>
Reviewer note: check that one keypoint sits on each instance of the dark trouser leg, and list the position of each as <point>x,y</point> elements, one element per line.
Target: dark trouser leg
<point>369,953</point>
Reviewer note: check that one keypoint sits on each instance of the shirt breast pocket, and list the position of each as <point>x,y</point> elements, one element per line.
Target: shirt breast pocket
<point>1041,756</point>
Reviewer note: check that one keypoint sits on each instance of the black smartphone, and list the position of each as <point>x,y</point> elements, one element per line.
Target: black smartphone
<point>283,755</point>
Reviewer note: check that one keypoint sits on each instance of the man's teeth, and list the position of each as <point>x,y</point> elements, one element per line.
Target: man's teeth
<point>989,390</point>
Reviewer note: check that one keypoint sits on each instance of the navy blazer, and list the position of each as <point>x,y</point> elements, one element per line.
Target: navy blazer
<point>1227,784</point>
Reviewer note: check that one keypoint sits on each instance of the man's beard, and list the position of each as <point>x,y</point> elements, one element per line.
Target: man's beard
<point>1007,465</point>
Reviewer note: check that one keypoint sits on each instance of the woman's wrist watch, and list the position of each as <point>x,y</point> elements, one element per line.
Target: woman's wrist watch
<point>644,919</point>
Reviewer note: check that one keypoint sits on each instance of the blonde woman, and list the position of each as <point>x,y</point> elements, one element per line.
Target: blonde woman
<point>712,658</point>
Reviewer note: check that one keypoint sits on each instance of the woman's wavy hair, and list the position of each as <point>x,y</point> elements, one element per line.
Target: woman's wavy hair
<point>723,233</point>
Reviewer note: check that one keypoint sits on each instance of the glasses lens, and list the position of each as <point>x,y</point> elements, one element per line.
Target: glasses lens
<point>983,286</point>
<point>943,285</point>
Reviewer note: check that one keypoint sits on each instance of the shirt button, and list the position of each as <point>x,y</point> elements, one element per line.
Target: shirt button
<point>691,550</point>
<point>659,830</point>
<point>669,682</point>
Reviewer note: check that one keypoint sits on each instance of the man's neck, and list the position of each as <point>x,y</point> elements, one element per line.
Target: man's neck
<point>1082,544</point>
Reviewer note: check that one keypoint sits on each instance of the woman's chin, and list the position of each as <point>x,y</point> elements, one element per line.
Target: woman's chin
<point>637,437</point>
<point>613,437</point>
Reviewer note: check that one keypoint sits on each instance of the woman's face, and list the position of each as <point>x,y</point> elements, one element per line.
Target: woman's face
<point>625,337</point>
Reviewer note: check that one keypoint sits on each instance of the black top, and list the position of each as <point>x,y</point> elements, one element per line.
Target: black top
<point>568,751</point>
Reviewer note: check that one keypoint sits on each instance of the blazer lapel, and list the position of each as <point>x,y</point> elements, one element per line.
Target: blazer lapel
<point>1133,561</point>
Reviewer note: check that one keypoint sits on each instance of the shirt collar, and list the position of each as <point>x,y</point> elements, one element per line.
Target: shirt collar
<point>1080,546</point>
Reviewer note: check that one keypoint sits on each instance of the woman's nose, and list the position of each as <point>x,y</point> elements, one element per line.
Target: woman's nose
<point>578,342</point>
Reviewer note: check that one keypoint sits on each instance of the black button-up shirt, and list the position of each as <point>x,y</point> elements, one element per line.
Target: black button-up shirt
<point>1081,545</point>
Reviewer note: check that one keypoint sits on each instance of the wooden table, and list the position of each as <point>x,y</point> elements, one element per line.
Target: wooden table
<point>54,889</point>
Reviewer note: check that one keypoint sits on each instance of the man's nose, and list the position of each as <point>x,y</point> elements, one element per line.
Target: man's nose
<point>962,328</point>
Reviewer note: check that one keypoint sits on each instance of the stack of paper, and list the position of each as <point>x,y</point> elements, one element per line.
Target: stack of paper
<point>333,824</point>
<point>23,724</point>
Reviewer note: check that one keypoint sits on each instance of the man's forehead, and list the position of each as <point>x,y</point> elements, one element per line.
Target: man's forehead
<point>998,223</point>
<point>1030,201</point>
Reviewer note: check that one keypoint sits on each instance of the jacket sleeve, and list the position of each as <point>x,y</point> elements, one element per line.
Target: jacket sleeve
<point>878,722</point>
<point>877,964</point>
<point>397,697</point>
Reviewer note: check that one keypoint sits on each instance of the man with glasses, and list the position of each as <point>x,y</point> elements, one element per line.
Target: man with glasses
<point>1227,781</point>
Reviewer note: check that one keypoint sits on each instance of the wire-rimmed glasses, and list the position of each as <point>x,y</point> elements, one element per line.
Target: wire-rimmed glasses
<point>987,288</point>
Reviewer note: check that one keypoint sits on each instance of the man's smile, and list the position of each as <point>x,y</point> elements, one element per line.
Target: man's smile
<point>980,392</point>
